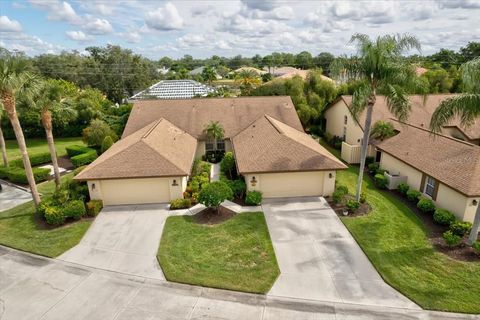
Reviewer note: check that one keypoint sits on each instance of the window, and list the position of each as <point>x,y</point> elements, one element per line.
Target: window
<point>429,186</point>
<point>221,145</point>
<point>209,144</point>
<point>345,120</point>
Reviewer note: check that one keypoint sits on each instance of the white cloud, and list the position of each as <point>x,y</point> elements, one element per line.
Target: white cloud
<point>7,25</point>
<point>99,27</point>
<point>164,18</point>
<point>58,10</point>
<point>131,36</point>
<point>78,36</point>
<point>264,5</point>
<point>462,4</point>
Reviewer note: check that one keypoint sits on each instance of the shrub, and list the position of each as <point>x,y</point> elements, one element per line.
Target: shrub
<point>372,168</point>
<point>339,194</point>
<point>426,205</point>
<point>381,181</point>
<point>238,187</point>
<point>460,228</point>
<point>227,165</point>
<point>343,189</point>
<point>180,204</point>
<point>413,195</point>
<point>363,197</point>
<point>443,217</point>
<point>42,207</point>
<point>369,160</point>
<point>106,143</point>
<point>214,193</point>
<point>253,198</point>
<point>35,159</point>
<point>84,158</point>
<point>403,188</point>
<point>476,247</point>
<point>18,175</point>
<point>74,209</point>
<point>95,133</point>
<point>451,238</point>
<point>353,205</point>
<point>73,151</point>
<point>381,171</point>
<point>94,207</point>
<point>54,216</point>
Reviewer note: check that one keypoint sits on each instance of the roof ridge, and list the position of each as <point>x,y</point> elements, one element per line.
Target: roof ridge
<point>269,119</point>
<point>161,155</point>
<point>146,134</point>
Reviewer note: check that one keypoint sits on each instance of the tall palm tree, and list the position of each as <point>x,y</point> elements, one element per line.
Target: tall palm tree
<point>16,81</point>
<point>2,140</point>
<point>248,80</point>
<point>382,69</point>
<point>466,107</point>
<point>209,74</point>
<point>214,130</point>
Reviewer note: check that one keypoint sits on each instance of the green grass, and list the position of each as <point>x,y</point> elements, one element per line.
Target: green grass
<point>396,242</point>
<point>18,229</point>
<point>235,255</point>
<point>40,145</point>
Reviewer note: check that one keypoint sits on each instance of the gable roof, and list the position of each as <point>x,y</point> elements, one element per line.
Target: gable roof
<point>268,145</point>
<point>453,162</point>
<point>302,74</point>
<point>192,115</point>
<point>159,149</point>
<point>420,115</point>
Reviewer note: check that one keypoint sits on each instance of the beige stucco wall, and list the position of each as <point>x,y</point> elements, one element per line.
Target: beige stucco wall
<point>137,191</point>
<point>335,123</point>
<point>392,164</point>
<point>200,149</point>
<point>292,184</point>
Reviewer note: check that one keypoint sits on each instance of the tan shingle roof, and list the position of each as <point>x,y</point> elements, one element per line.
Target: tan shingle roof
<point>159,149</point>
<point>191,115</point>
<point>302,74</point>
<point>455,163</point>
<point>268,145</point>
<point>420,115</point>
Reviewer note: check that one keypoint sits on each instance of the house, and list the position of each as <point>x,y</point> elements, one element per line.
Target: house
<point>153,160</point>
<point>199,71</point>
<point>174,89</point>
<point>302,74</point>
<point>248,69</point>
<point>444,169</point>
<point>340,122</point>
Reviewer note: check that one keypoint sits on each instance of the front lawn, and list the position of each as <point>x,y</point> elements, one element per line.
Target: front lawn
<point>19,230</point>
<point>396,242</point>
<point>35,146</point>
<point>235,255</point>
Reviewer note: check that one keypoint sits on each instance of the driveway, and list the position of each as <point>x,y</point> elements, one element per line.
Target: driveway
<point>319,259</point>
<point>123,239</point>
<point>12,196</point>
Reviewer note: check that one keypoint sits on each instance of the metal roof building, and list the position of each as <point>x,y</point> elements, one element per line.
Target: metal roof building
<point>174,89</point>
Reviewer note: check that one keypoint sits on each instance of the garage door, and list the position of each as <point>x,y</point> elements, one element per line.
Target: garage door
<point>135,191</point>
<point>293,184</point>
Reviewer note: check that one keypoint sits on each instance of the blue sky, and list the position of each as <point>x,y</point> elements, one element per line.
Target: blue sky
<point>204,28</point>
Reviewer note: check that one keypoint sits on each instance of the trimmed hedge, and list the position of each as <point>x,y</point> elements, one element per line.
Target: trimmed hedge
<point>413,195</point>
<point>35,159</point>
<point>54,216</point>
<point>94,207</point>
<point>443,217</point>
<point>180,204</point>
<point>426,205</point>
<point>74,209</point>
<point>18,175</point>
<point>253,198</point>
<point>76,150</point>
<point>403,188</point>
<point>84,158</point>
<point>460,228</point>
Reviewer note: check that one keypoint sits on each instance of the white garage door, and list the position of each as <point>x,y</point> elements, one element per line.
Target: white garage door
<point>292,184</point>
<point>135,191</point>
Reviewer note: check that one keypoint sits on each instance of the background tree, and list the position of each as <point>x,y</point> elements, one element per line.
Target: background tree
<point>95,133</point>
<point>382,130</point>
<point>214,130</point>
<point>304,60</point>
<point>248,80</point>
<point>466,107</point>
<point>382,68</point>
<point>16,81</point>
<point>209,74</point>
<point>323,61</point>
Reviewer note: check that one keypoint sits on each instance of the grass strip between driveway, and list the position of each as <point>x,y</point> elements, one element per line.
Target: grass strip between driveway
<point>236,254</point>
<point>396,242</point>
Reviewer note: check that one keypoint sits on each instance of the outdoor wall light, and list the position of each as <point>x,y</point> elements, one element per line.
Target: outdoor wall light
<point>174,183</point>
<point>330,175</point>
<point>475,202</point>
<point>253,182</point>
<point>93,186</point>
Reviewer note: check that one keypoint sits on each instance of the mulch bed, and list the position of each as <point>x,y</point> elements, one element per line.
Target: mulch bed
<point>64,162</point>
<point>240,201</point>
<point>364,209</point>
<point>210,216</point>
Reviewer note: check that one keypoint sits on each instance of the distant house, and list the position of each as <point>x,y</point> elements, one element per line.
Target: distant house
<point>163,70</point>
<point>199,71</point>
<point>249,69</point>
<point>174,89</point>
<point>302,74</point>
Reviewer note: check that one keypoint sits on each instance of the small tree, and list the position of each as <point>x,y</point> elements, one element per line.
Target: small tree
<point>214,130</point>
<point>227,165</point>
<point>95,134</point>
<point>107,143</point>
<point>382,130</point>
<point>214,193</point>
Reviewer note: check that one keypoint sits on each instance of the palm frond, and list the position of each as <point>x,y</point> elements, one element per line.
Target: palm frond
<point>360,100</point>
<point>471,76</point>
<point>398,102</point>
<point>466,107</point>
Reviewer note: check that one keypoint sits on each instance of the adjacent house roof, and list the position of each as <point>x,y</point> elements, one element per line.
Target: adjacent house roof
<point>252,69</point>
<point>420,115</point>
<point>268,145</point>
<point>301,73</point>
<point>235,114</point>
<point>174,89</point>
<point>453,162</point>
<point>159,149</point>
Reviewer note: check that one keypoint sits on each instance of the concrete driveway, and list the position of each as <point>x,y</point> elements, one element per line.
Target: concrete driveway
<point>319,259</point>
<point>123,239</point>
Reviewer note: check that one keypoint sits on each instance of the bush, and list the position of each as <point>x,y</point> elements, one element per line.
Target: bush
<point>42,207</point>
<point>35,159</point>
<point>476,247</point>
<point>369,160</point>
<point>74,209</point>
<point>18,175</point>
<point>238,187</point>
<point>372,168</point>
<point>106,143</point>
<point>253,198</point>
<point>381,171</point>
<point>353,205</point>
<point>403,188</point>
<point>343,189</point>
<point>94,207</point>
<point>381,181</point>
<point>460,228</point>
<point>451,238</point>
<point>3,172</point>
<point>73,151</point>
<point>426,205</point>
<point>443,217</point>
<point>339,194</point>
<point>54,216</point>
<point>84,158</point>
<point>227,165</point>
<point>214,193</point>
<point>180,204</point>
<point>363,197</point>
<point>413,195</point>
<point>96,132</point>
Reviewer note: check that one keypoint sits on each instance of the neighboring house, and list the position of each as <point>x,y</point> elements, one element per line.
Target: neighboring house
<point>302,74</point>
<point>163,70</point>
<point>443,168</point>
<point>249,69</point>
<point>340,122</point>
<point>280,71</point>
<point>199,71</point>
<point>153,160</point>
<point>174,89</point>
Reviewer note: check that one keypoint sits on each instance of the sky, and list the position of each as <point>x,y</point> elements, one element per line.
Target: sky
<point>228,28</point>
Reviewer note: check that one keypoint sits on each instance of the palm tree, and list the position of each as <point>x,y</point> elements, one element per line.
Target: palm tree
<point>466,107</point>
<point>382,130</point>
<point>214,130</point>
<point>2,140</point>
<point>16,81</point>
<point>209,74</point>
<point>381,68</point>
<point>248,80</point>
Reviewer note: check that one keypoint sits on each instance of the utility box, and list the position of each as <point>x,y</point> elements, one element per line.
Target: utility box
<point>394,179</point>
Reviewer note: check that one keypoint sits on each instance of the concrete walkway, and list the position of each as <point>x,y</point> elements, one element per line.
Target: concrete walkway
<point>215,172</point>
<point>123,239</point>
<point>320,260</point>
<point>11,196</point>
<point>33,287</point>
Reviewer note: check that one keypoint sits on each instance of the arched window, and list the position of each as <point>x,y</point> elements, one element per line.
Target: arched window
<point>345,120</point>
